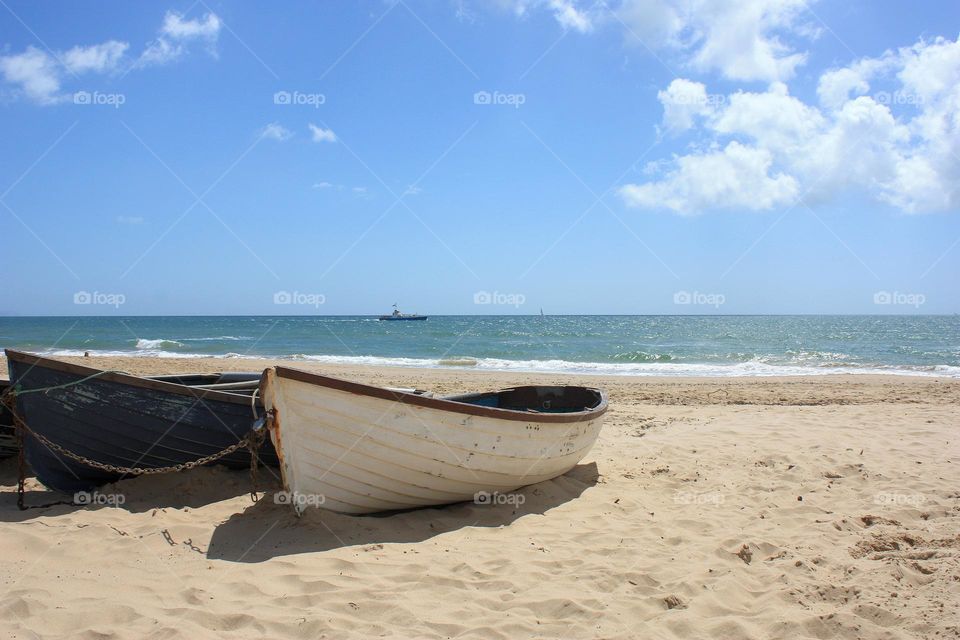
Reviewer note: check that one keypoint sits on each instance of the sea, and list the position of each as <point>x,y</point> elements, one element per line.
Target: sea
<point>577,344</point>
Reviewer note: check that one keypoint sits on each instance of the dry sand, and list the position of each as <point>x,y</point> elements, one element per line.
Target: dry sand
<point>823,507</point>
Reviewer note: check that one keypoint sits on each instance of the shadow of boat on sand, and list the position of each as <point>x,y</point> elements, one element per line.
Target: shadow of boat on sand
<point>189,489</point>
<point>267,530</point>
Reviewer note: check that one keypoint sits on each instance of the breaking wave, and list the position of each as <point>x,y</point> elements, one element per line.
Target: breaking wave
<point>756,367</point>
<point>160,343</point>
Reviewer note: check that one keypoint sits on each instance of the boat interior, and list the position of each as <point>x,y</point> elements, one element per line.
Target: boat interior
<point>239,382</point>
<point>535,399</point>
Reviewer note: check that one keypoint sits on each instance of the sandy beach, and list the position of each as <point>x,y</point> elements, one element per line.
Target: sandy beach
<point>809,507</point>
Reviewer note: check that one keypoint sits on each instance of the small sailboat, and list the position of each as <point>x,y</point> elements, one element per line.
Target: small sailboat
<point>397,315</point>
<point>113,418</point>
<point>356,448</point>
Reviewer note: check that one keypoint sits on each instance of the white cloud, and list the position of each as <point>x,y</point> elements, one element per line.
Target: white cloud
<point>177,28</point>
<point>776,120</point>
<point>900,145</point>
<point>682,102</point>
<point>160,52</point>
<point>39,75</point>
<point>837,86</point>
<point>565,12</point>
<point>36,73</point>
<point>320,134</point>
<point>858,148</point>
<point>99,58</point>
<point>740,38</point>
<point>130,220</point>
<point>176,34</point>
<point>323,185</point>
<point>412,190</point>
<point>275,131</point>
<point>569,16</point>
<point>363,193</point>
<point>736,177</point>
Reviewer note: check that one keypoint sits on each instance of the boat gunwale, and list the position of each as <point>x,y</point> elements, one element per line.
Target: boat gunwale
<point>441,404</point>
<point>128,379</point>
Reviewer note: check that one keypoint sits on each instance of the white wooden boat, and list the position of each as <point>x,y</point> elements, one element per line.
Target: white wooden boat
<point>356,448</point>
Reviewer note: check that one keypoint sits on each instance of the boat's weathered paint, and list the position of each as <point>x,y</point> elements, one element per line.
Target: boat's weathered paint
<point>123,420</point>
<point>8,437</point>
<point>358,449</point>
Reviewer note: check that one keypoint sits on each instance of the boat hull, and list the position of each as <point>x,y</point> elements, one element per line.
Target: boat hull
<point>122,420</point>
<point>347,451</point>
<point>402,318</point>
<point>8,436</point>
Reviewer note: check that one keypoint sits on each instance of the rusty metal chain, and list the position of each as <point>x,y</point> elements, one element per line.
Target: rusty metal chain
<point>134,471</point>
<point>9,400</point>
<point>255,440</point>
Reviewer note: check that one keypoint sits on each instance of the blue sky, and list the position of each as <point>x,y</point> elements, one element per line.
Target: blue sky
<point>644,156</point>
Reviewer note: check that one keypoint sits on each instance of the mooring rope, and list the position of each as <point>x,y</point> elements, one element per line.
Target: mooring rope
<point>16,389</point>
<point>253,403</point>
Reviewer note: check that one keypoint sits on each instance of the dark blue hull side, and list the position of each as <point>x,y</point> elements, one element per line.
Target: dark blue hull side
<point>125,421</point>
<point>8,437</point>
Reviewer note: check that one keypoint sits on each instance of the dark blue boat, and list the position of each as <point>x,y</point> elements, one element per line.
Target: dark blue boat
<point>8,437</point>
<point>396,315</point>
<point>128,421</point>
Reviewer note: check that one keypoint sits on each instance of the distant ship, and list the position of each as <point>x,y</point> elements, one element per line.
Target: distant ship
<point>396,315</point>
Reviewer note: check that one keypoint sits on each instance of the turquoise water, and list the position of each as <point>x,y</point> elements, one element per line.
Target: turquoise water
<point>626,345</point>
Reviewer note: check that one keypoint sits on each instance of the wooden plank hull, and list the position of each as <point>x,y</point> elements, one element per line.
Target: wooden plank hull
<point>122,420</point>
<point>8,437</point>
<point>348,451</point>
